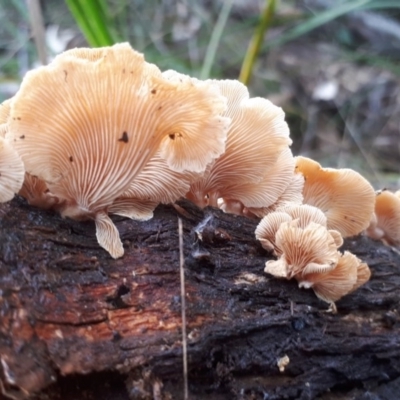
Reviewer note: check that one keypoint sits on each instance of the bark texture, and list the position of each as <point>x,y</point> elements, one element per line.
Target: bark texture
<point>76,324</point>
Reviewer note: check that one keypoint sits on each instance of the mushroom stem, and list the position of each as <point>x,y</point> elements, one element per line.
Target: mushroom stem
<point>107,235</point>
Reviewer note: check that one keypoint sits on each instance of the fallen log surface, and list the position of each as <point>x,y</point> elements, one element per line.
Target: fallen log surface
<point>76,324</point>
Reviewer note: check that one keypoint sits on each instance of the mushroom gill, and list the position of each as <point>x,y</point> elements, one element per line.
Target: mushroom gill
<point>349,274</point>
<point>110,113</point>
<point>11,171</point>
<point>258,134</point>
<point>303,250</point>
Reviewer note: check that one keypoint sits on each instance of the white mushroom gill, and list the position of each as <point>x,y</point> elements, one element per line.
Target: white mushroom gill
<point>89,122</point>
<point>258,134</point>
<point>12,171</point>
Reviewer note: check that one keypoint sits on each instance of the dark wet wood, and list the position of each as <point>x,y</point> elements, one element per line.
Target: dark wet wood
<point>75,323</point>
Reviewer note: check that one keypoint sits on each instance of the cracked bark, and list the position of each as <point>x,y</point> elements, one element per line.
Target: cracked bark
<point>75,323</point>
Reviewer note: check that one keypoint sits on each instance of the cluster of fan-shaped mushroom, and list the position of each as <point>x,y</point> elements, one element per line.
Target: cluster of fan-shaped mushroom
<point>101,131</point>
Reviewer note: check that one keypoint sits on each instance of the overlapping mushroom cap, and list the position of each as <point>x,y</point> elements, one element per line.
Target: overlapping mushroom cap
<point>268,227</point>
<point>257,136</point>
<point>11,171</point>
<point>346,198</point>
<point>385,224</point>
<point>11,166</point>
<point>88,123</point>
<point>349,274</point>
<point>308,252</point>
<point>303,250</point>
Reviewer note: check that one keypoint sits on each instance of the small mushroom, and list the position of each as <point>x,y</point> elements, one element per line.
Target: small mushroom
<point>349,274</point>
<point>346,198</point>
<point>109,115</point>
<point>267,228</point>
<point>257,136</point>
<point>304,250</point>
<point>11,171</point>
<point>385,224</point>
<point>303,214</point>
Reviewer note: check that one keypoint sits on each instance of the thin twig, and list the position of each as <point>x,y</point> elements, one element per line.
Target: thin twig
<point>38,30</point>
<point>183,310</point>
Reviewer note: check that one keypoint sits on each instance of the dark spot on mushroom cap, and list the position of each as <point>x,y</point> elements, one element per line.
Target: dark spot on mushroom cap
<point>172,136</point>
<point>154,91</point>
<point>124,138</point>
<point>22,137</point>
<point>71,159</point>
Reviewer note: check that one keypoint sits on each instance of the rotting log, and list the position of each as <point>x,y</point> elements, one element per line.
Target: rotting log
<point>76,324</point>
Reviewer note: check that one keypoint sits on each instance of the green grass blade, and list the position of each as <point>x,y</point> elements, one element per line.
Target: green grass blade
<point>256,42</point>
<point>215,39</point>
<point>91,17</point>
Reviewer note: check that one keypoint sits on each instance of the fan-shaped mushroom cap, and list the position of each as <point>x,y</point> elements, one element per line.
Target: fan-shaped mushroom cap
<point>293,195</point>
<point>305,214</point>
<point>330,286</point>
<point>304,250</point>
<point>346,198</point>
<point>387,218</point>
<point>11,171</point>
<point>267,228</point>
<point>268,190</point>
<point>257,135</point>
<point>110,114</point>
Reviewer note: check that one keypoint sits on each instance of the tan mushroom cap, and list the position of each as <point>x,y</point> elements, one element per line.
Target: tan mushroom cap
<point>346,198</point>
<point>88,126</point>
<point>387,218</point>
<point>293,195</point>
<point>268,190</point>
<point>305,214</point>
<point>4,114</point>
<point>11,171</point>
<point>304,250</point>
<point>257,136</point>
<point>267,228</point>
<point>5,110</point>
<point>130,207</point>
<point>348,275</point>
<point>36,192</point>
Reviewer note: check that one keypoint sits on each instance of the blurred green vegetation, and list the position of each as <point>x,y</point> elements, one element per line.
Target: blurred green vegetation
<point>285,50</point>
